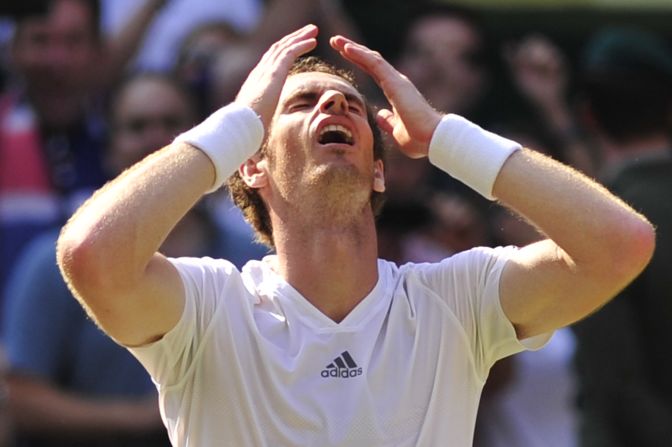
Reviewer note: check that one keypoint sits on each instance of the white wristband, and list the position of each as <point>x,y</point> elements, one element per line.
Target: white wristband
<point>469,153</point>
<point>228,137</point>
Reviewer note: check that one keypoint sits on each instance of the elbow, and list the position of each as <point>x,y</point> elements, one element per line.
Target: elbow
<point>635,249</point>
<point>78,261</point>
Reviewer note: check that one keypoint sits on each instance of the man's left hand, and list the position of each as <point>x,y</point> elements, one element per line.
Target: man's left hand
<point>412,121</point>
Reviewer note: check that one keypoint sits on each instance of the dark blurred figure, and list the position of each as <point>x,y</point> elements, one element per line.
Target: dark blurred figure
<point>444,56</point>
<point>52,128</point>
<point>624,351</point>
<point>51,134</point>
<point>540,72</point>
<point>69,384</point>
<point>198,52</point>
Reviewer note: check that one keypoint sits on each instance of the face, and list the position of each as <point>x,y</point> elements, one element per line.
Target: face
<point>320,145</point>
<point>441,59</point>
<point>55,55</point>
<point>147,115</point>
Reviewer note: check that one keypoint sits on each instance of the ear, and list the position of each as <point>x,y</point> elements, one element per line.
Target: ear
<point>378,176</point>
<point>253,172</point>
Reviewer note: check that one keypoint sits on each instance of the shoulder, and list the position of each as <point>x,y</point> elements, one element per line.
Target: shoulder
<point>473,259</point>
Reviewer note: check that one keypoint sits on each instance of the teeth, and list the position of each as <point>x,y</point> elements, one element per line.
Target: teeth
<point>337,128</point>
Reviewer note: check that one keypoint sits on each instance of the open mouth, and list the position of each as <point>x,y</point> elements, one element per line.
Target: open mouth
<point>335,133</point>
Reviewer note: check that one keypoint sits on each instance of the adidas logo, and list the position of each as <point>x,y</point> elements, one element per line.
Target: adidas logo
<point>343,366</point>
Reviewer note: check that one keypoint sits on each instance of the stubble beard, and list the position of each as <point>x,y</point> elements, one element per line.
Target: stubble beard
<point>328,195</point>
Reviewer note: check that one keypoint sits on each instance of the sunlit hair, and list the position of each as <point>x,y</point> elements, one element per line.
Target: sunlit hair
<point>249,200</point>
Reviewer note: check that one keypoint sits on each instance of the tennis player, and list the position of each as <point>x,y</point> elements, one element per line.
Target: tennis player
<point>324,344</point>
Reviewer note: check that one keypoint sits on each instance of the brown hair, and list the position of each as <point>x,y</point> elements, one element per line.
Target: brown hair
<point>249,200</point>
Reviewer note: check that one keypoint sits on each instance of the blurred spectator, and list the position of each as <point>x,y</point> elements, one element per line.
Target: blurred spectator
<point>623,355</point>
<point>540,74</point>
<point>177,19</point>
<point>443,54</point>
<point>52,129</point>
<point>198,52</point>
<point>69,383</point>
<point>51,135</point>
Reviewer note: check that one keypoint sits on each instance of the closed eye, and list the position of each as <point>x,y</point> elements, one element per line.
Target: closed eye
<point>355,108</point>
<point>299,106</point>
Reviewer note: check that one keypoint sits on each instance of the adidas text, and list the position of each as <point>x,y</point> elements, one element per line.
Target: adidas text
<point>343,366</point>
<point>343,373</point>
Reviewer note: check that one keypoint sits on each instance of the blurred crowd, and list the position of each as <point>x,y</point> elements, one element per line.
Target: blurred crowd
<point>87,88</point>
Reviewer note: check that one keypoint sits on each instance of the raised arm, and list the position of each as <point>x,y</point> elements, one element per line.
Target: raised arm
<point>108,250</point>
<point>596,244</point>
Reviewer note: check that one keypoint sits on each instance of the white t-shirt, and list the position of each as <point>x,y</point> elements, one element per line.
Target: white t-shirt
<point>253,363</point>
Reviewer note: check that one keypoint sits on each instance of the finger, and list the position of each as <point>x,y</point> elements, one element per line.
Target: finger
<point>386,120</point>
<point>299,48</point>
<point>307,32</point>
<point>368,60</point>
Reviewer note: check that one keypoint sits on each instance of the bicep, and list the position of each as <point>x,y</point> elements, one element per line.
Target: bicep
<point>140,313</point>
<point>542,289</point>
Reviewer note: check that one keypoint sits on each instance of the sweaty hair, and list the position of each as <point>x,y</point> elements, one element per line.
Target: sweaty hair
<point>249,200</point>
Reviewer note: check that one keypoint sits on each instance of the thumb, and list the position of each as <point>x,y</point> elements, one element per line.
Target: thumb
<point>386,120</point>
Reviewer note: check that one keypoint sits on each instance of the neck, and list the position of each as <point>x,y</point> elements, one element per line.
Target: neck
<point>331,262</point>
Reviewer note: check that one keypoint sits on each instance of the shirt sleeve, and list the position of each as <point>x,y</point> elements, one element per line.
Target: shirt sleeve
<point>469,284</point>
<point>170,359</point>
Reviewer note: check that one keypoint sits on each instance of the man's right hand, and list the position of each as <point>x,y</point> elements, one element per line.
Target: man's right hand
<point>261,90</point>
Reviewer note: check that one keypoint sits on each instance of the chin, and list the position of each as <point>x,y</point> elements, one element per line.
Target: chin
<point>338,190</point>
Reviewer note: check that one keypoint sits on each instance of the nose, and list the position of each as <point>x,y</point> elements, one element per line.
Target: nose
<point>333,102</point>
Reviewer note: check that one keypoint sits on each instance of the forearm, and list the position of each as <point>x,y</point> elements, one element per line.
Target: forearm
<point>578,214</point>
<point>123,224</point>
<point>40,409</point>
<point>596,244</point>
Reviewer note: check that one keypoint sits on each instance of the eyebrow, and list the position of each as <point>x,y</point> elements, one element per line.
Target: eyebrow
<point>313,95</point>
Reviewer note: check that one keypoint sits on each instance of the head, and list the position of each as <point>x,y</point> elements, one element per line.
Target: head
<point>627,85</point>
<point>443,56</point>
<point>198,55</point>
<point>54,55</point>
<point>307,160</point>
<point>147,112</point>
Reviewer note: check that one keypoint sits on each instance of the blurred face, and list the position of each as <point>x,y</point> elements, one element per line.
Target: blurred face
<point>199,52</point>
<point>148,114</point>
<point>321,145</point>
<point>55,53</point>
<point>441,57</point>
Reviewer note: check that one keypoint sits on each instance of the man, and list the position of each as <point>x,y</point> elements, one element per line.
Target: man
<point>623,356</point>
<point>52,131</point>
<point>324,344</point>
<point>443,55</point>
<point>51,137</point>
